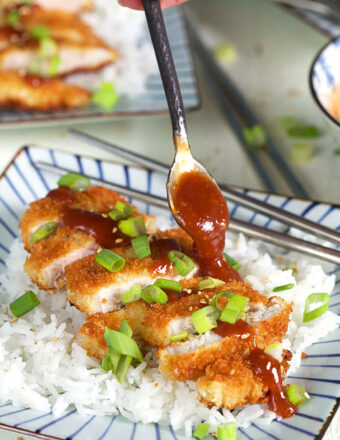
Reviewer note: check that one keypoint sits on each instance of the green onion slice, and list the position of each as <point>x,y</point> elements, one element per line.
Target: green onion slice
<point>43,232</point>
<point>168,284</point>
<point>179,337</point>
<point>209,283</point>
<point>24,304</point>
<point>53,66</point>
<point>125,328</point>
<point>225,52</point>
<point>235,307</point>
<point>314,298</point>
<point>201,430</point>
<point>284,287</point>
<point>153,294</point>
<point>106,96</point>
<point>141,246</point>
<point>133,227</point>
<point>205,319</point>
<point>121,211</point>
<point>288,122</point>
<point>48,48</point>
<point>274,350</point>
<point>224,293</point>
<point>233,263</point>
<point>133,295</point>
<point>110,260</point>
<point>106,363</point>
<point>303,131</point>
<point>122,343</point>
<point>226,431</point>
<point>336,152</point>
<point>40,32</point>
<point>74,181</point>
<point>255,137</point>
<point>13,18</point>
<point>296,394</point>
<point>182,262</point>
<point>301,153</point>
<point>122,367</point>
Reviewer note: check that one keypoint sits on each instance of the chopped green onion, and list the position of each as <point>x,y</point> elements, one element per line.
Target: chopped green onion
<point>303,131</point>
<point>106,96</point>
<point>122,367</point>
<point>336,152</point>
<point>314,298</point>
<point>224,293</point>
<point>233,263</point>
<point>13,18</point>
<point>133,295</point>
<point>255,137</point>
<point>183,263</point>
<point>274,350</point>
<point>288,122</point>
<point>205,319</point>
<point>121,211</point>
<point>296,394</point>
<point>236,306</point>
<point>209,283</point>
<point>40,32</point>
<point>110,260</point>
<point>284,287</point>
<point>179,337</point>
<point>141,246</point>
<point>122,343</point>
<point>226,431</point>
<point>106,363</point>
<point>301,153</point>
<point>153,294</point>
<point>43,232</point>
<point>48,48</point>
<point>53,66</point>
<point>36,66</point>
<point>125,328</point>
<point>168,284</point>
<point>293,266</point>
<point>74,181</point>
<point>24,304</point>
<point>133,227</point>
<point>201,430</point>
<point>225,52</point>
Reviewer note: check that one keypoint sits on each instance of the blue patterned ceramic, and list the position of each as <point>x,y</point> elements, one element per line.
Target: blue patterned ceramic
<point>324,75</point>
<point>152,101</point>
<point>22,183</point>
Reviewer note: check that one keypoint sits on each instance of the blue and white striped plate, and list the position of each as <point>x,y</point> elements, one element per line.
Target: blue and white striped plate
<point>22,183</point>
<point>152,101</point>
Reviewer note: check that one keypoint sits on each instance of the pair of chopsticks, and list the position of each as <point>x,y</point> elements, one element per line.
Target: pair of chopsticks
<point>250,230</point>
<point>240,115</point>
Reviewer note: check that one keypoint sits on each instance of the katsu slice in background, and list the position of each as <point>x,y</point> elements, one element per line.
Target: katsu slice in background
<point>29,92</point>
<point>74,6</point>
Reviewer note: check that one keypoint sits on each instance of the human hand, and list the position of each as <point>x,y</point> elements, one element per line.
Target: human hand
<point>137,4</point>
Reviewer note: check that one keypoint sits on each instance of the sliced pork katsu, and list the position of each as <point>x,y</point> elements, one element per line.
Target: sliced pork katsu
<point>29,92</point>
<point>264,324</point>
<point>64,5</point>
<point>81,227</point>
<point>72,57</point>
<point>93,289</point>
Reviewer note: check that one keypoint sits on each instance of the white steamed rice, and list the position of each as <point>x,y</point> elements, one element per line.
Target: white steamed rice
<point>123,29</point>
<point>42,366</point>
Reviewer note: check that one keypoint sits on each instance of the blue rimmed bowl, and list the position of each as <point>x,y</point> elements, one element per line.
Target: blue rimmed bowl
<point>324,75</point>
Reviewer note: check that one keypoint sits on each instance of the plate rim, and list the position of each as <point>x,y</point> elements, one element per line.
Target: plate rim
<point>322,431</point>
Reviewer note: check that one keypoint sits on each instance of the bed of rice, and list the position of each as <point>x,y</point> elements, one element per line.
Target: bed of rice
<point>125,30</point>
<point>42,366</point>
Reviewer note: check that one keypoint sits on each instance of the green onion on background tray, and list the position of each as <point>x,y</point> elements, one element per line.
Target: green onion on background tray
<point>255,137</point>
<point>301,153</point>
<point>24,304</point>
<point>106,96</point>
<point>110,260</point>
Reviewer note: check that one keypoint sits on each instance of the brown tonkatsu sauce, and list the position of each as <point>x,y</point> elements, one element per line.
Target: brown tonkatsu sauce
<point>204,215</point>
<point>239,328</point>
<point>160,247</point>
<point>268,370</point>
<point>62,195</point>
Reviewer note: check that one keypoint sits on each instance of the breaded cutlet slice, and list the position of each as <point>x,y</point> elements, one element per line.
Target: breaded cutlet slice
<point>64,5</point>
<point>95,199</point>
<point>230,383</point>
<point>94,289</point>
<point>62,26</point>
<point>187,360</point>
<point>73,57</point>
<point>155,324</point>
<point>21,93</point>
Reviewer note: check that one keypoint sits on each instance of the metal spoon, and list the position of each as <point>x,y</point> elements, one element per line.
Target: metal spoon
<point>183,161</point>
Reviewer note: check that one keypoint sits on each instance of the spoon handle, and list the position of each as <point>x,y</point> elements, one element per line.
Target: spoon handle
<point>166,65</point>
